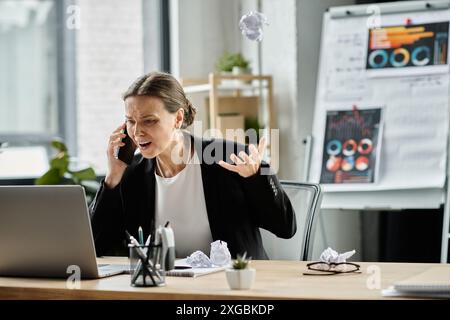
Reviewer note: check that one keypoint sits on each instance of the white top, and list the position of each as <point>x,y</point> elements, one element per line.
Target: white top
<point>180,200</point>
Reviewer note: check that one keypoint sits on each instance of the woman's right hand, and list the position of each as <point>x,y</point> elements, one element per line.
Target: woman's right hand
<point>116,167</point>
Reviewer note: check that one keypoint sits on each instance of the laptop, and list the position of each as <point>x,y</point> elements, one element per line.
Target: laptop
<point>45,231</point>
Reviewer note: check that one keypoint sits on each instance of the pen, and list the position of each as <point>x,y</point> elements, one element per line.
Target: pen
<point>129,236</point>
<point>139,251</point>
<point>147,242</point>
<point>167,224</point>
<point>182,267</point>
<point>143,257</point>
<point>141,236</point>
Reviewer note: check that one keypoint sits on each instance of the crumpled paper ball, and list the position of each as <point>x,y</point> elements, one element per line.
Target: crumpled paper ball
<point>220,255</point>
<point>331,256</point>
<point>199,260</point>
<point>251,25</point>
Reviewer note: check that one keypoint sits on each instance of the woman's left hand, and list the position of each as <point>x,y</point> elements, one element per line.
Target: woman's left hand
<point>246,165</point>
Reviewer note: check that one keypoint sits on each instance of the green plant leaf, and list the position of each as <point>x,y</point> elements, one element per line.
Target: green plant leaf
<point>85,174</point>
<point>241,262</point>
<point>228,60</point>
<point>59,172</point>
<point>52,176</point>
<point>59,145</point>
<point>60,162</point>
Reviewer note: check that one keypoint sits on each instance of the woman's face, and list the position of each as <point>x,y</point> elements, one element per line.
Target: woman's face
<point>150,125</point>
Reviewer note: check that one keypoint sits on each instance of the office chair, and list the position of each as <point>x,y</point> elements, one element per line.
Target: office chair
<point>306,199</point>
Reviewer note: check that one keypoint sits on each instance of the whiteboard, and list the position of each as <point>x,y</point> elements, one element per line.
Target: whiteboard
<point>415,102</point>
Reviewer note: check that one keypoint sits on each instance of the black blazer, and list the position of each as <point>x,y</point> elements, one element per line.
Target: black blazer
<point>237,207</point>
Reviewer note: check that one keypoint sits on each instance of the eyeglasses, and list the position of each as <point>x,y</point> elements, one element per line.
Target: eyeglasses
<point>329,269</point>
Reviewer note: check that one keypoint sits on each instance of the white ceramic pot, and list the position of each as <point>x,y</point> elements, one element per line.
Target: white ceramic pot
<point>240,278</point>
<point>237,71</point>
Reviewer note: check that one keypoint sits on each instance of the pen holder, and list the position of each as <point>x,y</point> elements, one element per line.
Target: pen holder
<point>145,268</point>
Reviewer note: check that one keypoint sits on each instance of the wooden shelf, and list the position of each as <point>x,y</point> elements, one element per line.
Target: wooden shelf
<point>232,83</point>
<point>235,95</point>
<point>222,87</point>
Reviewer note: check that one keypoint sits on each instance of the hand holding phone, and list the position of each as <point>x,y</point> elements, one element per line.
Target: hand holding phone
<point>126,152</point>
<point>121,147</point>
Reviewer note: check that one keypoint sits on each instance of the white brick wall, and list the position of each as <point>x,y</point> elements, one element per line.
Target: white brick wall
<point>109,57</point>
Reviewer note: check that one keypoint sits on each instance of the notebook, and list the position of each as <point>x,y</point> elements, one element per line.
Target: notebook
<point>431,283</point>
<point>182,269</point>
<point>391,292</point>
<point>434,279</point>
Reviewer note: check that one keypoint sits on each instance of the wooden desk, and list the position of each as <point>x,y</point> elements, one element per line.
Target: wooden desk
<point>274,280</point>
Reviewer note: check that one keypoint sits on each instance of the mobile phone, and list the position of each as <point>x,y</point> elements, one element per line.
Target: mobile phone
<point>126,153</point>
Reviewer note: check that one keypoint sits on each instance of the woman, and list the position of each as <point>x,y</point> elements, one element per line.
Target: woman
<point>185,180</point>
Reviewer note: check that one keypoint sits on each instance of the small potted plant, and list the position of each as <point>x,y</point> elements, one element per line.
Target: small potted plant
<point>63,170</point>
<point>240,276</point>
<point>233,63</point>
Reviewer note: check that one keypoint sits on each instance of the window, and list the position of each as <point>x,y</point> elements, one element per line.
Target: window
<point>37,84</point>
<point>28,77</point>
<point>155,18</point>
<point>57,81</point>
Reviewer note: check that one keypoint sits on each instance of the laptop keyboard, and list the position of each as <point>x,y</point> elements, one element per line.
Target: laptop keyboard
<point>107,268</point>
<point>113,266</point>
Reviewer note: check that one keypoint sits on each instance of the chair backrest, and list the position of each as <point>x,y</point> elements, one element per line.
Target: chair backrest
<point>306,199</point>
